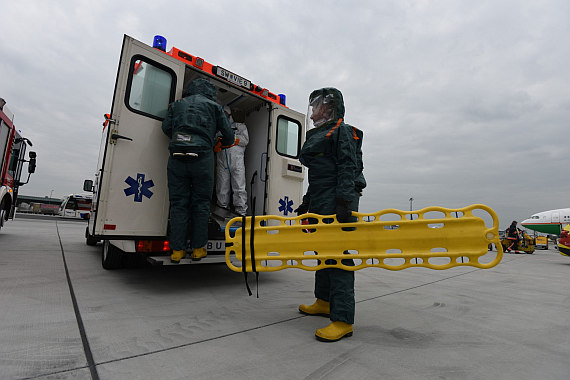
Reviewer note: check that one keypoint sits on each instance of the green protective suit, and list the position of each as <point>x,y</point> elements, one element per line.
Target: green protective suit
<point>332,153</point>
<point>192,123</point>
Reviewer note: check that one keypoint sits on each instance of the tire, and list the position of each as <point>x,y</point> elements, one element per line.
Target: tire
<point>90,240</point>
<point>111,256</point>
<point>2,214</point>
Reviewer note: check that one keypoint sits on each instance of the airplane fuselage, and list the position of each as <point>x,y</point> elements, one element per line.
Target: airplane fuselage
<point>548,222</point>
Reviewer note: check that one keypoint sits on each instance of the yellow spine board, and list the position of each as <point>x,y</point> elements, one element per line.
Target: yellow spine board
<point>457,238</point>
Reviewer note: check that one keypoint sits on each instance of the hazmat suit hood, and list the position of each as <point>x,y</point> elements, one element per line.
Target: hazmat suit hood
<point>325,105</point>
<point>201,86</point>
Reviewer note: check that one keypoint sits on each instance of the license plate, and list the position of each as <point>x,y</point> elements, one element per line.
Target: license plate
<point>233,78</point>
<point>216,245</point>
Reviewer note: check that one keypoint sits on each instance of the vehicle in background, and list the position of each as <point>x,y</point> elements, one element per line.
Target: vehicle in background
<point>12,157</point>
<point>541,242</point>
<point>76,206</point>
<point>525,243</point>
<point>130,212</point>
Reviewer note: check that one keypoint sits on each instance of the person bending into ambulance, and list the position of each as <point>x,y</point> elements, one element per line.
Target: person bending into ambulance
<point>230,170</point>
<point>333,155</point>
<point>192,123</point>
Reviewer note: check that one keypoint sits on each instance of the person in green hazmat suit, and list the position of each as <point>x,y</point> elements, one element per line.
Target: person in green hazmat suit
<point>333,154</point>
<point>191,123</point>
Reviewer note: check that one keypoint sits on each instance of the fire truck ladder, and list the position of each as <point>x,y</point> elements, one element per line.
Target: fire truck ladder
<point>455,238</point>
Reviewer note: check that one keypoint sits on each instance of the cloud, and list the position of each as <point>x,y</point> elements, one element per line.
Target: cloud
<point>460,102</point>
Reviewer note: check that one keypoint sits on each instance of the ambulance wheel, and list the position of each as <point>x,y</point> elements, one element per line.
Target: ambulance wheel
<point>112,257</point>
<point>90,240</point>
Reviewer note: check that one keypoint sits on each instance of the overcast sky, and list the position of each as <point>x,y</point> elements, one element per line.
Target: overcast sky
<point>460,102</point>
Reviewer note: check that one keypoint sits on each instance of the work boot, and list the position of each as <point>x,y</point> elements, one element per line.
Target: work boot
<point>334,332</point>
<point>177,256</point>
<point>199,253</point>
<point>320,307</point>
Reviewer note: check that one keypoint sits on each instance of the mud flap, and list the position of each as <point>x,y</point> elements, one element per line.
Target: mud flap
<point>455,237</point>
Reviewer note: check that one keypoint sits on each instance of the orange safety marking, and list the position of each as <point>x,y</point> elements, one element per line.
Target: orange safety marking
<point>333,128</point>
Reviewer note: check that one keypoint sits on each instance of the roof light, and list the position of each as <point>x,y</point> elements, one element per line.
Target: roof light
<point>159,43</point>
<point>282,99</point>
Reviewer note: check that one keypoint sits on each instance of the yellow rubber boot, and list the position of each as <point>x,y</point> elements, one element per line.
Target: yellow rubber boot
<point>334,332</point>
<point>177,256</point>
<point>199,253</point>
<point>320,307</point>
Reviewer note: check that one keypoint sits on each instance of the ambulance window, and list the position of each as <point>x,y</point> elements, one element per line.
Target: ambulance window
<point>288,137</point>
<point>71,204</point>
<point>150,88</point>
<point>4,132</point>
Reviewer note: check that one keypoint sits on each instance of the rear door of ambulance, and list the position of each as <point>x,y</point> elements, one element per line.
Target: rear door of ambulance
<point>133,195</point>
<point>284,171</point>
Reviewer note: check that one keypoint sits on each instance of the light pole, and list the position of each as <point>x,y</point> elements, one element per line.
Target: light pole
<point>50,194</point>
<point>411,215</point>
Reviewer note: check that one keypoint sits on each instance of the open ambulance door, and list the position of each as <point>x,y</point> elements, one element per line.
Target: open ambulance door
<point>132,194</point>
<point>284,175</point>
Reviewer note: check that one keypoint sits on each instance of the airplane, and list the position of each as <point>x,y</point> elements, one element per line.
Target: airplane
<point>548,222</point>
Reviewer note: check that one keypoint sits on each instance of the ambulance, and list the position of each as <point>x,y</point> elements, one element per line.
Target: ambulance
<point>76,206</point>
<point>130,209</point>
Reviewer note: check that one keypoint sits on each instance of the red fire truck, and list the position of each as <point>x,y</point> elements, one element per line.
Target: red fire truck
<point>12,152</point>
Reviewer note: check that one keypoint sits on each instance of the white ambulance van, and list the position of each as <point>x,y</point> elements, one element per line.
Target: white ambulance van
<point>76,206</point>
<point>130,212</point>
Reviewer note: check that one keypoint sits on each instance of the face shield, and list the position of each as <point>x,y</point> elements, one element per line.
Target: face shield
<point>321,110</point>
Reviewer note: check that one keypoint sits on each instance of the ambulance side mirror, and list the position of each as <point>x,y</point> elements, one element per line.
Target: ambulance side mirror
<point>32,163</point>
<point>88,185</point>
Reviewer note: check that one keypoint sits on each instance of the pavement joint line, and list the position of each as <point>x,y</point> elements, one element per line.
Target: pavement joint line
<point>274,323</point>
<point>86,347</point>
<point>201,341</point>
<point>92,367</point>
<point>45,375</point>
<point>427,283</point>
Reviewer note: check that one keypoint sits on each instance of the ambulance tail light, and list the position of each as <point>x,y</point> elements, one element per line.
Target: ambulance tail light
<point>153,246</point>
<point>159,43</point>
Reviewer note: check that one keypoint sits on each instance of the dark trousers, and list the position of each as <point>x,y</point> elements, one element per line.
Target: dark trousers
<point>336,285</point>
<point>190,186</point>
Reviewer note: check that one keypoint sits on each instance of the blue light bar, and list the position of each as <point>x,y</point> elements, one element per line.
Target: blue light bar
<point>282,99</point>
<point>159,43</point>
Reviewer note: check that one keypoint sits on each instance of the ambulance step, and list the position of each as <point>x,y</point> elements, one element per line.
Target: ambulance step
<point>165,260</point>
<point>433,237</point>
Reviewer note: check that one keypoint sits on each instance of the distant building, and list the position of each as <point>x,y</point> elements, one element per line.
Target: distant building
<point>37,205</point>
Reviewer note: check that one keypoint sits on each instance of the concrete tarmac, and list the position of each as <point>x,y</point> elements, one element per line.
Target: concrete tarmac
<point>62,316</point>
